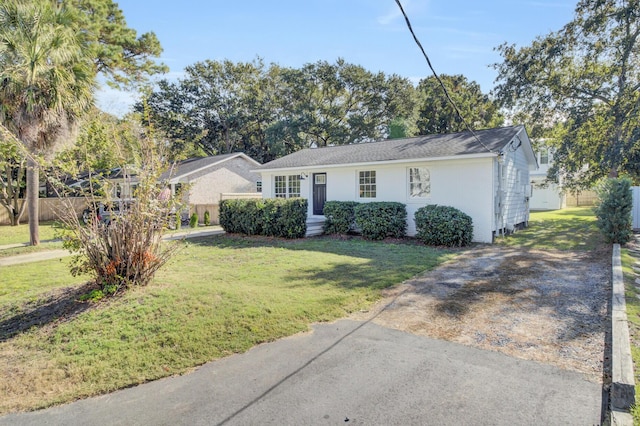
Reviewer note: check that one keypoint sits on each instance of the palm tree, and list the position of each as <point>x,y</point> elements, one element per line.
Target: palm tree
<point>47,81</point>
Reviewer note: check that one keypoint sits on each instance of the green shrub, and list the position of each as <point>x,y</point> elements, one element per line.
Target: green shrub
<point>207,218</point>
<point>614,210</point>
<point>340,217</point>
<point>278,217</point>
<point>242,216</point>
<point>443,226</point>
<point>381,219</point>
<point>193,221</point>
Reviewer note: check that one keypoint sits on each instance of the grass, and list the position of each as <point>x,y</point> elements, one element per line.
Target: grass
<point>632,297</point>
<point>220,295</point>
<point>567,229</point>
<point>20,234</point>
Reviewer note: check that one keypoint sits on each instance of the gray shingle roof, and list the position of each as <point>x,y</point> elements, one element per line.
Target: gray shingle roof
<point>431,146</point>
<point>191,165</point>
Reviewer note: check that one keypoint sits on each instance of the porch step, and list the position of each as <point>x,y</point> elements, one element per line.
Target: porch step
<point>314,227</point>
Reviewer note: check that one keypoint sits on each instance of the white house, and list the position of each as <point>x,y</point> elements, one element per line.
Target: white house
<point>545,195</point>
<point>485,175</point>
<point>210,179</point>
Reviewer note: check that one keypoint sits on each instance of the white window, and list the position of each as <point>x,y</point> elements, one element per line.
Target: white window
<point>367,184</point>
<point>419,182</point>
<point>287,186</point>
<point>544,157</point>
<point>259,186</point>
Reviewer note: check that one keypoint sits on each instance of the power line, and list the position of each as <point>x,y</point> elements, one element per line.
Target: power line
<point>435,74</point>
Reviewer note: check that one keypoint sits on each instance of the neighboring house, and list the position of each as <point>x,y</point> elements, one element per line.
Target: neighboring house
<point>545,195</point>
<point>488,179</point>
<point>208,180</point>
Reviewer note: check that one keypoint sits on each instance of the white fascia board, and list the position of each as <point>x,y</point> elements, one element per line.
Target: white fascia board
<point>380,163</point>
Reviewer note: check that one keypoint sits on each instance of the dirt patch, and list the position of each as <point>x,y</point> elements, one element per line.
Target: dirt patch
<point>546,306</point>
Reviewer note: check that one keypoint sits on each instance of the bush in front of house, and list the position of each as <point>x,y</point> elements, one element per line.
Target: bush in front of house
<point>193,221</point>
<point>340,217</point>
<point>614,210</point>
<point>241,216</point>
<point>207,218</point>
<point>379,220</point>
<point>443,226</point>
<point>286,218</point>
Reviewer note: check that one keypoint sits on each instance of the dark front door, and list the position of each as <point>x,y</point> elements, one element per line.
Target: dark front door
<point>319,192</point>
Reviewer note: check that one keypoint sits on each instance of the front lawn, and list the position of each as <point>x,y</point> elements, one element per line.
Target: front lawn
<point>220,295</point>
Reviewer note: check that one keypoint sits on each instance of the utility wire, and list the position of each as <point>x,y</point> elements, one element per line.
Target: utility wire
<point>435,74</point>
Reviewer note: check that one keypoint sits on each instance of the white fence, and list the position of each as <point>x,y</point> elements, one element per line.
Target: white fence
<point>636,207</point>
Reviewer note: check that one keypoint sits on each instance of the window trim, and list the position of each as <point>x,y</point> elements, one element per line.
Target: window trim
<point>410,195</point>
<point>285,185</point>
<point>362,183</point>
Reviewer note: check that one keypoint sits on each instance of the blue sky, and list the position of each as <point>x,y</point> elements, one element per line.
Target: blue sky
<point>458,35</point>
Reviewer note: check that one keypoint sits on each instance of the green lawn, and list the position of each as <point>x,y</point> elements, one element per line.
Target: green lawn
<point>220,295</point>
<point>632,295</point>
<point>567,229</point>
<point>20,234</point>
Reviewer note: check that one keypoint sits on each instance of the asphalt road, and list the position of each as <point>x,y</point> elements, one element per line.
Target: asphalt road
<point>347,372</point>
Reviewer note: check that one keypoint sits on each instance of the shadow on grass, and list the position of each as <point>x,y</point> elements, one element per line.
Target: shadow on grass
<point>382,263</point>
<point>53,308</point>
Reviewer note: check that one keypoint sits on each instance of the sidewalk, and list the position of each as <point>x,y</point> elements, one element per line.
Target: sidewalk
<point>60,253</point>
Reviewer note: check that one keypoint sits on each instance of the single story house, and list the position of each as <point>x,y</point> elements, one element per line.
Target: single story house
<point>209,180</point>
<point>484,174</point>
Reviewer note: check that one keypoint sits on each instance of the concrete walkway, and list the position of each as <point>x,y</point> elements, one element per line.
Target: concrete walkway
<point>347,372</point>
<point>59,253</point>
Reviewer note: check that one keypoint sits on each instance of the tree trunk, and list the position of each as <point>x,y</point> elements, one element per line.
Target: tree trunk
<point>33,190</point>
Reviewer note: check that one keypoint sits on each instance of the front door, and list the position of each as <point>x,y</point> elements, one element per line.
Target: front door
<point>319,192</point>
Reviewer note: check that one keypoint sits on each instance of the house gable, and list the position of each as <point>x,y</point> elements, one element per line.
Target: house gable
<point>194,168</point>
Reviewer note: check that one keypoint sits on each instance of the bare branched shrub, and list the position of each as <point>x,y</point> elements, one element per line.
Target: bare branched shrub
<point>118,240</point>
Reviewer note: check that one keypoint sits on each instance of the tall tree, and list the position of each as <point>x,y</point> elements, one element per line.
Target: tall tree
<point>580,87</point>
<point>46,80</point>
<point>437,115</point>
<point>212,106</point>
<point>342,103</point>
<point>50,54</point>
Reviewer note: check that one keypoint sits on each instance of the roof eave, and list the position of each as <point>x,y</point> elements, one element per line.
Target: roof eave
<point>378,163</point>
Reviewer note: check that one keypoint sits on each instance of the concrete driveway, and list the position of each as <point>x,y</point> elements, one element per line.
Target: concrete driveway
<point>348,372</point>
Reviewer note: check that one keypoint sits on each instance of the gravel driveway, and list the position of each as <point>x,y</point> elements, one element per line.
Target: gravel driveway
<point>547,306</point>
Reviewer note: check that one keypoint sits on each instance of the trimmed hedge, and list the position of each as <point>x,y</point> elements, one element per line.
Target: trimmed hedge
<point>614,210</point>
<point>277,217</point>
<point>379,220</point>
<point>340,217</point>
<point>443,226</point>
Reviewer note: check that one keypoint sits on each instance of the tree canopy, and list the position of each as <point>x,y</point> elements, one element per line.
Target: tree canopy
<point>272,111</point>
<point>580,88</point>
<point>437,115</point>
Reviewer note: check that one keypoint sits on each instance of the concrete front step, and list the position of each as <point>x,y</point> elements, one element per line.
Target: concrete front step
<point>314,227</point>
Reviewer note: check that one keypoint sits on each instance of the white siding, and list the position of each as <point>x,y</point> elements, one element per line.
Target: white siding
<point>512,190</point>
<point>464,184</point>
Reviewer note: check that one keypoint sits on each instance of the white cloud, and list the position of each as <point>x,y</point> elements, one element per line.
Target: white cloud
<point>394,12</point>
